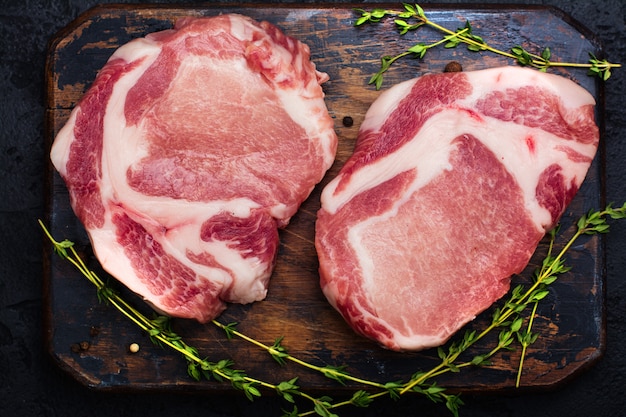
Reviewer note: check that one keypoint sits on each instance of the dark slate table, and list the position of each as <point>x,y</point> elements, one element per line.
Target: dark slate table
<point>31,385</point>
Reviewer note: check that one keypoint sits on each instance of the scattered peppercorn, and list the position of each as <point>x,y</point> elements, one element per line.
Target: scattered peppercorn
<point>80,347</point>
<point>94,331</point>
<point>348,121</point>
<point>453,66</point>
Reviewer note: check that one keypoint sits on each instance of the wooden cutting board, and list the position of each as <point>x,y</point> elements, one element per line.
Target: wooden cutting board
<point>571,319</point>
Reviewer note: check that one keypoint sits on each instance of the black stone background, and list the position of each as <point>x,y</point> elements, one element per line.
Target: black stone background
<point>31,385</point>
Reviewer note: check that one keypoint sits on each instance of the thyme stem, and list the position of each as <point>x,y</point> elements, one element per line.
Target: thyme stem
<point>525,346</point>
<point>333,373</point>
<point>528,339</point>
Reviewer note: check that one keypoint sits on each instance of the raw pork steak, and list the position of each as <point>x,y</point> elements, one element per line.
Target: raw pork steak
<point>454,180</point>
<point>190,149</point>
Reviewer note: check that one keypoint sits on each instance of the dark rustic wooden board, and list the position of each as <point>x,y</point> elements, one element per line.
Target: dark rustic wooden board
<point>571,319</point>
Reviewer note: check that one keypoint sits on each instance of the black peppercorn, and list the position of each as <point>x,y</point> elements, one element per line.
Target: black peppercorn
<point>453,66</point>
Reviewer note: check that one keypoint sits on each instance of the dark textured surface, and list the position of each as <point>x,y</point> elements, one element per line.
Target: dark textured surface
<point>30,385</point>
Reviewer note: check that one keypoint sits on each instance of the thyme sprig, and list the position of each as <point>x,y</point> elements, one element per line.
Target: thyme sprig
<point>160,333</point>
<point>508,319</point>
<point>418,50</point>
<point>414,17</point>
<point>526,337</point>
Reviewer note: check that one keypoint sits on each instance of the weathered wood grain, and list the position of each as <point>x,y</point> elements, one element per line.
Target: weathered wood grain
<point>571,320</point>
